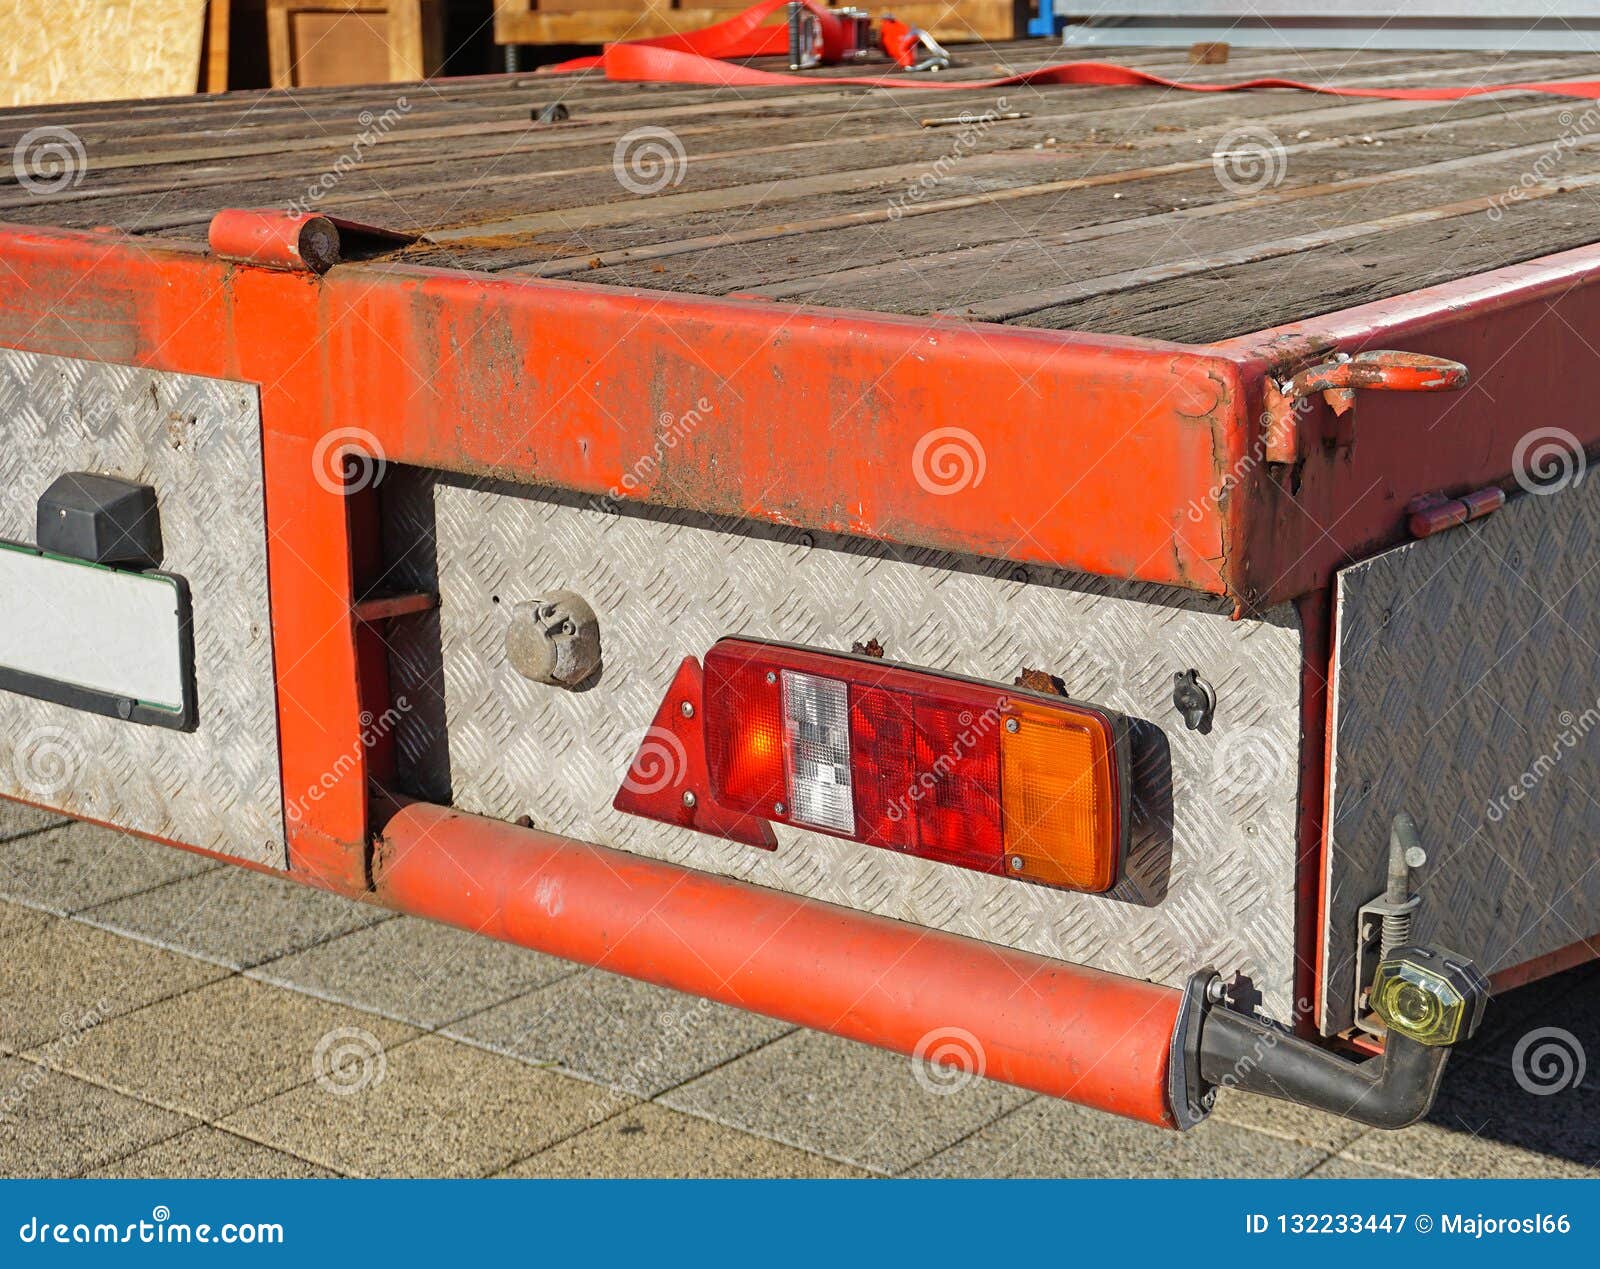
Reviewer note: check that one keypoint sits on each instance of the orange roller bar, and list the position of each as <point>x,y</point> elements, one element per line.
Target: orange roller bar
<point>1079,1034</point>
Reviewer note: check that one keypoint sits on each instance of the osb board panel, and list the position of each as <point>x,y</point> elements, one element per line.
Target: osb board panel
<point>98,50</point>
<point>599,21</point>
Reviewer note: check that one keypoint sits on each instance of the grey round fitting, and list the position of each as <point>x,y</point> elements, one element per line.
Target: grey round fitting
<point>554,639</point>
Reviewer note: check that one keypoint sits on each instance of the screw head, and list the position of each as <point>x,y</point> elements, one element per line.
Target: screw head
<point>1013,726</point>
<point>772,676</point>
<point>688,797</point>
<point>1016,863</point>
<point>688,709</point>
<point>778,808</point>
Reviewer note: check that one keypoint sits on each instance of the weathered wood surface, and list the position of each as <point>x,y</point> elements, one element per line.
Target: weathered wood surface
<point>1133,211</point>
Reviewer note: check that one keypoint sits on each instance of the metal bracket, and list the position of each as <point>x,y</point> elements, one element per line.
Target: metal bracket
<point>1382,370</point>
<point>1434,513</point>
<point>1384,923</point>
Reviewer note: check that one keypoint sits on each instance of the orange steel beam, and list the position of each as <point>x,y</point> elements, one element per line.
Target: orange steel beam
<point>1091,1037</point>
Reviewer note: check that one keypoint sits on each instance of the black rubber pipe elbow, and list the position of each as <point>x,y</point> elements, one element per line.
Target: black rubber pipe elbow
<point>1391,1091</point>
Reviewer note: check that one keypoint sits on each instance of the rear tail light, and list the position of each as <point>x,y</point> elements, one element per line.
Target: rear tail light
<point>995,779</point>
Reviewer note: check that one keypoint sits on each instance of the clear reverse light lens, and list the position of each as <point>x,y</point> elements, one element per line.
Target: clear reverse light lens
<point>816,714</point>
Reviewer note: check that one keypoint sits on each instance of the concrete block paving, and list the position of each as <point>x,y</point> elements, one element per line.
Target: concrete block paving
<point>161,1015</point>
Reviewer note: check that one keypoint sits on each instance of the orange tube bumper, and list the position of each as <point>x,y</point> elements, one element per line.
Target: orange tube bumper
<point>1079,1034</point>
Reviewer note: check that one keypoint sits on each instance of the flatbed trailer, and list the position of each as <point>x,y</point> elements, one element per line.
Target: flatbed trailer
<point>1244,431</point>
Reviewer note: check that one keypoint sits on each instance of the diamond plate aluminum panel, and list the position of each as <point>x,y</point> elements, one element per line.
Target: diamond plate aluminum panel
<point>1210,877</point>
<point>1465,692</point>
<point>198,442</point>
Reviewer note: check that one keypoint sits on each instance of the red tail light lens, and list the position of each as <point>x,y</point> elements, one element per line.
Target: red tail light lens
<point>985,777</point>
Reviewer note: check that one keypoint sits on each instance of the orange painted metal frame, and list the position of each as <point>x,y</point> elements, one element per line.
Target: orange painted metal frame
<point>1128,458</point>
<point>1064,1030</point>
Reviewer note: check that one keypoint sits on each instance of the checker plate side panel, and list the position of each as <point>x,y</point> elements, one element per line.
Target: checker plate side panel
<point>1467,667</point>
<point>198,442</point>
<point>1210,877</point>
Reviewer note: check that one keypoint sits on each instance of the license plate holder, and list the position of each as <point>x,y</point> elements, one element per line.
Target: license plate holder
<point>109,641</point>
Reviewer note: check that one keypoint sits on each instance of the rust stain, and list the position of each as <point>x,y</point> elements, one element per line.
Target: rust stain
<point>1040,681</point>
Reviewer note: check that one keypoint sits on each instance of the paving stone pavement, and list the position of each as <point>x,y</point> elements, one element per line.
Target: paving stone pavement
<point>163,1015</point>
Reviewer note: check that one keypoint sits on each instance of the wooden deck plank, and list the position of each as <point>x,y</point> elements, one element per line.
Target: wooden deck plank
<point>758,257</point>
<point>542,155</point>
<point>794,115</point>
<point>1256,296</point>
<point>1100,209</point>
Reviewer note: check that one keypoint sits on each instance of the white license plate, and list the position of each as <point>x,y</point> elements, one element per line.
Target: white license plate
<point>101,639</point>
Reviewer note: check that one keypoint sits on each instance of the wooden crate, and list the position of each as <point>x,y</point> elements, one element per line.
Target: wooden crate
<point>601,21</point>
<point>312,42</point>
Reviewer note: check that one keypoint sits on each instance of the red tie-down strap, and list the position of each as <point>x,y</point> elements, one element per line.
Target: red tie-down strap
<point>697,57</point>
<point>741,36</point>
